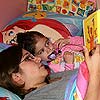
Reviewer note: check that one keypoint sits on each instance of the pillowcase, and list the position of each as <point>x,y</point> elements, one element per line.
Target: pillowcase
<point>7,95</point>
<point>3,46</point>
<point>49,24</point>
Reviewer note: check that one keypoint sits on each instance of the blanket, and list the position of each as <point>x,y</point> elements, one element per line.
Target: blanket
<point>77,85</point>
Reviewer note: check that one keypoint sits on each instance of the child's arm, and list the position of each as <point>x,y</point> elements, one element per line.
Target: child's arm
<point>61,42</point>
<point>76,40</point>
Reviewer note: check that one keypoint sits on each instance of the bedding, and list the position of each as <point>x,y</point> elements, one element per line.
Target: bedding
<point>53,25</point>
<point>77,85</point>
<point>7,95</point>
<point>3,46</point>
<point>73,23</point>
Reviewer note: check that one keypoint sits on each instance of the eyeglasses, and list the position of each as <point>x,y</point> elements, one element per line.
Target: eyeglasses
<point>29,57</point>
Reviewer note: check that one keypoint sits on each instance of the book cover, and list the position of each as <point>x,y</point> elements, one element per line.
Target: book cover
<point>91,28</point>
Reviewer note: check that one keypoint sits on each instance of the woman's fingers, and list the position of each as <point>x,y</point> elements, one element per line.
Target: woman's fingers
<point>86,52</point>
<point>97,49</point>
<point>93,61</point>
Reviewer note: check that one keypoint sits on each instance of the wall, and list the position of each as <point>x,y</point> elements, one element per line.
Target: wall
<point>98,4</point>
<point>10,9</point>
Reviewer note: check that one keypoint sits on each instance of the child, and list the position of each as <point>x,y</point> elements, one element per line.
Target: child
<point>62,55</point>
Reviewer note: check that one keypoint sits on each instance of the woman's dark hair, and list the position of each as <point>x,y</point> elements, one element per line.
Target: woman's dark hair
<point>9,62</point>
<point>28,40</point>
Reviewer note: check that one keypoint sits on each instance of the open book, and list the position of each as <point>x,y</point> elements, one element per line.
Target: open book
<point>91,28</point>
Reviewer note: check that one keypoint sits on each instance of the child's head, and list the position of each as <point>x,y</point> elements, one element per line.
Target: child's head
<point>36,43</point>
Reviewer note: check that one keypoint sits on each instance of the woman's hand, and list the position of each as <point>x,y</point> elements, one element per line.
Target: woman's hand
<point>93,62</point>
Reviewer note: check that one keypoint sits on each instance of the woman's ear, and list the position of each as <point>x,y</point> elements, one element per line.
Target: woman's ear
<point>17,78</point>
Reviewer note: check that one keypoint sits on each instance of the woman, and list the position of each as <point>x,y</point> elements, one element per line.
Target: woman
<point>21,73</point>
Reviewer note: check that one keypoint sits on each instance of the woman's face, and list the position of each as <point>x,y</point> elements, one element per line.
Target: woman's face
<point>44,48</point>
<point>33,72</point>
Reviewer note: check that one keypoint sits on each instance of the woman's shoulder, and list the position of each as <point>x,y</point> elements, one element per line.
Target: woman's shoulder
<point>51,91</point>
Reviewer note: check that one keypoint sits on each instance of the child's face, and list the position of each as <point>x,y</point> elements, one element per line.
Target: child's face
<point>44,48</point>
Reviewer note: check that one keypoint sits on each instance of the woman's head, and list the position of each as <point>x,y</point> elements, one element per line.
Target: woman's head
<point>36,43</point>
<point>20,71</point>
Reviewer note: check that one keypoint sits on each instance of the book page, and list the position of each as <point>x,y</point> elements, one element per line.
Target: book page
<point>90,31</point>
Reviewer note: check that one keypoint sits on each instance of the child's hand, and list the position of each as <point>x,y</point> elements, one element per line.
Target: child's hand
<point>69,57</point>
<point>61,42</point>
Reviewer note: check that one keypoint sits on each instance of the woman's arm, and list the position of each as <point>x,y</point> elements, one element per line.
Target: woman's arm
<point>93,63</point>
<point>93,90</point>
